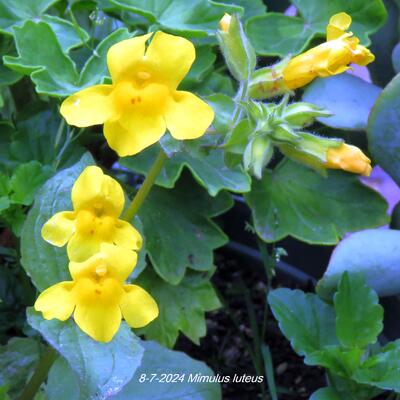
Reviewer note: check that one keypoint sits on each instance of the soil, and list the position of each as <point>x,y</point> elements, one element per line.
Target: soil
<point>225,350</point>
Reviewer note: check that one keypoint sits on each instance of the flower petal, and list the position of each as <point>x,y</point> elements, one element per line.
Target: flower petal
<point>171,57</point>
<point>81,247</point>
<point>93,188</point>
<point>187,116</point>
<point>144,130</point>
<point>338,24</point>
<point>56,301</point>
<point>127,236</point>
<point>91,106</point>
<point>59,228</point>
<point>99,321</point>
<point>138,307</point>
<point>123,56</point>
<point>120,261</point>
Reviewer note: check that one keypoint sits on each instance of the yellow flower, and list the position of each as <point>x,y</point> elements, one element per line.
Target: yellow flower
<point>143,100</point>
<point>98,201</point>
<point>225,22</point>
<point>348,158</point>
<point>330,58</point>
<point>98,296</point>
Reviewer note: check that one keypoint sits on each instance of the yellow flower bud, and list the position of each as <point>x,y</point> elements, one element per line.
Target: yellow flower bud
<point>330,58</point>
<point>225,22</point>
<point>348,158</point>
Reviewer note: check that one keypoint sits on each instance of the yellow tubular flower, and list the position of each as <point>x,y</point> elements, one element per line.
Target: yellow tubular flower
<point>349,158</point>
<point>143,100</point>
<point>98,201</point>
<point>330,58</point>
<point>99,296</point>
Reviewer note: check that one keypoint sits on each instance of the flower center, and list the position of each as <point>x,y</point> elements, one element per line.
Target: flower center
<point>95,223</point>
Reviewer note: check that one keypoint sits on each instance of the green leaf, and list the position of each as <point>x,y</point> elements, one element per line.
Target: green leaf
<point>251,7</point>
<point>200,19</point>
<point>18,359</point>
<point>224,108</point>
<point>102,369</point>
<point>17,11</point>
<point>374,253</point>
<point>339,94</point>
<point>382,370</point>
<point>383,137</point>
<point>206,165</point>
<point>26,179</point>
<point>294,200</point>
<point>156,360</point>
<point>44,263</point>
<point>359,316</point>
<point>187,210</point>
<point>325,394</point>
<point>182,306</point>
<point>396,58</point>
<point>304,319</point>
<point>292,34</point>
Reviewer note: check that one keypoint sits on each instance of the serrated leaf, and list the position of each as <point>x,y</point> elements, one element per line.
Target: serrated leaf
<point>375,253</point>
<point>292,34</point>
<point>18,359</point>
<point>206,164</point>
<point>359,316</point>
<point>186,211</point>
<point>383,137</point>
<point>200,19</point>
<point>304,319</point>
<point>339,94</point>
<point>182,307</point>
<point>294,200</point>
<point>102,369</point>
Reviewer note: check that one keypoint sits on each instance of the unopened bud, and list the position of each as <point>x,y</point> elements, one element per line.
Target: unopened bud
<point>225,22</point>
<point>303,114</point>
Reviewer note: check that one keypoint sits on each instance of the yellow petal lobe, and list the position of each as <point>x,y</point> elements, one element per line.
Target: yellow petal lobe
<point>349,158</point>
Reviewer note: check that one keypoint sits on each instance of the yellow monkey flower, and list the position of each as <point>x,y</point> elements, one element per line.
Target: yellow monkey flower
<point>349,158</point>
<point>98,296</point>
<point>330,58</point>
<point>143,100</point>
<point>98,201</point>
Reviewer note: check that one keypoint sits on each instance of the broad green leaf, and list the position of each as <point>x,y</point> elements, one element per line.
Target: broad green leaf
<point>251,7</point>
<point>199,19</point>
<point>375,253</point>
<point>102,369</point>
<point>382,370</point>
<point>44,263</point>
<point>325,394</point>
<point>295,200</point>
<point>359,316</point>
<point>206,164</point>
<point>396,58</point>
<point>26,179</point>
<point>18,359</point>
<point>17,11</point>
<point>156,360</point>
<point>339,94</point>
<point>304,319</point>
<point>186,211</point>
<point>292,34</point>
<point>383,137</point>
<point>52,71</point>
<point>224,108</point>
<point>182,306</point>
<point>218,83</point>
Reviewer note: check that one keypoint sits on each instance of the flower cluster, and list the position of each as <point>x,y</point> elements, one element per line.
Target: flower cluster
<point>101,252</point>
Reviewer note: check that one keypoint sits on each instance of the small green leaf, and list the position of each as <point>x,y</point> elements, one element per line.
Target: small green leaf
<point>325,394</point>
<point>292,34</point>
<point>18,359</point>
<point>339,94</point>
<point>102,369</point>
<point>294,200</point>
<point>304,319</point>
<point>44,263</point>
<point>200,19</point>
<point>383,137</point>
<point>206,164</point>
<point>187,210</point>
<point>182,306</point>
<point>359,317</point>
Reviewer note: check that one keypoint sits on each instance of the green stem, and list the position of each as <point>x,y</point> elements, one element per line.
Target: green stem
<point>40,374</point>
<point>145,188</point>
